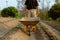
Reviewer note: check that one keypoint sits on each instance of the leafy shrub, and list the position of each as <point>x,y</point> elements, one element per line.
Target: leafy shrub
<point>50,19</point>
<point>54,12</point>
<point>9,11</point>
<point>58,19</point>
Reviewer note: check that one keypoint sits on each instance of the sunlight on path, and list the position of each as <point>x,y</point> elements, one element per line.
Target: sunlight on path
<point>19,35</point>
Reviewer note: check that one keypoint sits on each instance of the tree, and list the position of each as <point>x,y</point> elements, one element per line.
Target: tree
<point>54,12</point>
<point>57,1</point>
<point>9,11</point>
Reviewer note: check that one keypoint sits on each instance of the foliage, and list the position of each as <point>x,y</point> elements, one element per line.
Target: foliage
<point>58,19</point>
<point>9,11</point>
<point>45,15</point>
<point>57,1</point>
<point>50,19</point>
<point>21,15</point>
<point>54,12</point>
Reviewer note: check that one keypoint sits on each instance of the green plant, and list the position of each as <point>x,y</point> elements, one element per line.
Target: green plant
<point>9,11</point>
<point>54,12</point>
<point>58,19</point>
<point>50,19</point>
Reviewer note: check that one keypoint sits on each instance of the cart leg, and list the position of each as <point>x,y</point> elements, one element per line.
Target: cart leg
<point>25,29</point>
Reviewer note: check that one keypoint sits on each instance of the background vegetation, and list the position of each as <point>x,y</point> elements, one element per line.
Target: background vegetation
<point>54,12</point>
<point>9,12</point>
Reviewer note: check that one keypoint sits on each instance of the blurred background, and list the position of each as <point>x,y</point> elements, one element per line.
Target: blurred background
<point>45,7</point>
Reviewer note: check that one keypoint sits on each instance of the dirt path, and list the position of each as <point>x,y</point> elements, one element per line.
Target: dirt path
<point>7,24</point>
<point>54,34</point>
<point>18,36</point>
<point>32,37</point>
<point>15,34</point>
